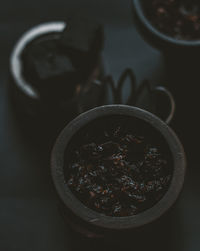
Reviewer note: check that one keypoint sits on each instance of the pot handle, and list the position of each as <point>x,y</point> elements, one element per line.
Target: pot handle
<point>159,93</point>
<point>155,92</point>
<point>167,93</point>
<point>117,89</point>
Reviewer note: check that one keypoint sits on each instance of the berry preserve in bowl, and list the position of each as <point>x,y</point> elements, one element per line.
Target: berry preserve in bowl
<point>116,169</point>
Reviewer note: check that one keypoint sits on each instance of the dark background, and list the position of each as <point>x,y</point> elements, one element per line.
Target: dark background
<point>29,217</point>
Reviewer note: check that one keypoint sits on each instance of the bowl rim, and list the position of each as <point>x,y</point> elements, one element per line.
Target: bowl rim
<point>108,222</point>
<point>140,13</point>
<point>24,40</point>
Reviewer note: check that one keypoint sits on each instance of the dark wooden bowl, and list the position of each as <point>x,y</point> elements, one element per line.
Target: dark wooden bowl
<point>95,221</point>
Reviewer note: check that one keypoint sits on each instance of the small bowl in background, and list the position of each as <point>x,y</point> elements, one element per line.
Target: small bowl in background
<point>158,39</point>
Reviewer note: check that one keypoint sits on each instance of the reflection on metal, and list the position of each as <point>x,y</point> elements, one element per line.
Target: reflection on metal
<point>15,60</point>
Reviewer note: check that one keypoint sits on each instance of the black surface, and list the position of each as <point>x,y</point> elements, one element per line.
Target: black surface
<point>29,216</point>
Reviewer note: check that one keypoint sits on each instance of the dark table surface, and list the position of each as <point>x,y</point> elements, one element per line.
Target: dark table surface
<point>29,216</point>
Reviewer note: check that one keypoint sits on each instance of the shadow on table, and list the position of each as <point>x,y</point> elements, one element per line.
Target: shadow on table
<point>161,236</point>
<point>183,78</point>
